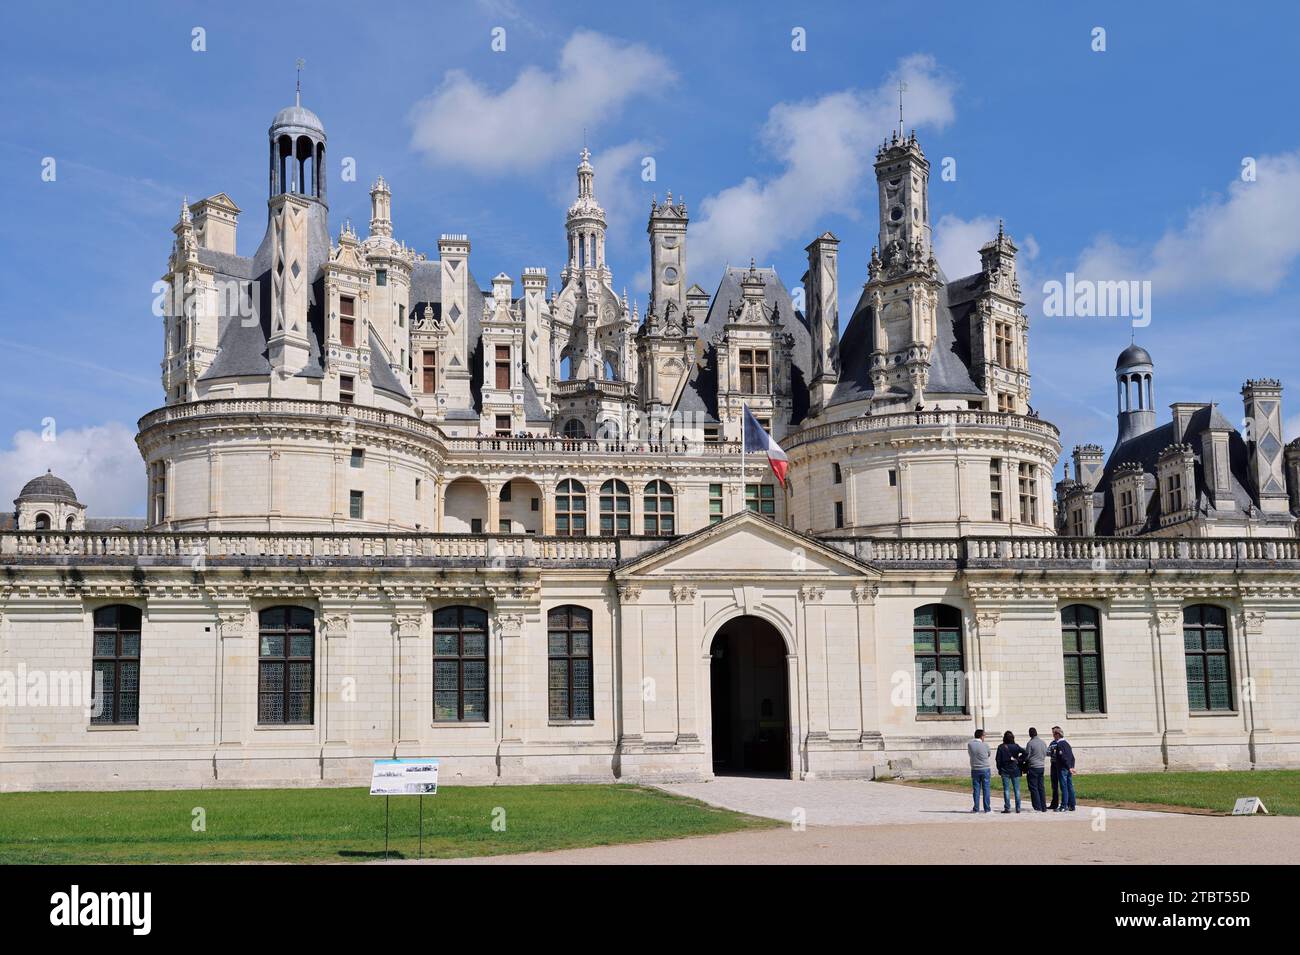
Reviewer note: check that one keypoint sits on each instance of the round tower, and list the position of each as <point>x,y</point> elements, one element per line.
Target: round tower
<point>297,152</point>
<point>1134,392</point>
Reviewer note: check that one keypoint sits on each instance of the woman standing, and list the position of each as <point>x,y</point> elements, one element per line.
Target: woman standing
<point>1009,757</point>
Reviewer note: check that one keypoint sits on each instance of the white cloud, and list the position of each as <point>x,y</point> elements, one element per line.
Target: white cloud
<point>826,148</point>
<point>542,114</point>
<point>1245,241</point>
<point>957,243</point>
<point>101,463</point>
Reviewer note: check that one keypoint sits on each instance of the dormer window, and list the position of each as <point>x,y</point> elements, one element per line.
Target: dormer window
<point>1127,508</point>
<point>1174,492</point>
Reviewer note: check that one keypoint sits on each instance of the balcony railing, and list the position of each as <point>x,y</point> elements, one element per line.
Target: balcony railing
<point>559,445</point>
<point>939,420</point>
<point>201,548</point>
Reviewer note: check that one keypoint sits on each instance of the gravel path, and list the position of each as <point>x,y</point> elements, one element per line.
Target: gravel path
<point>1172,840</point>
<point>862,803</point>
<point>852,822</point>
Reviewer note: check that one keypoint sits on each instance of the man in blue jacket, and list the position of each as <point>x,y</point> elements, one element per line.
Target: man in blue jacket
<point>1062,768</point>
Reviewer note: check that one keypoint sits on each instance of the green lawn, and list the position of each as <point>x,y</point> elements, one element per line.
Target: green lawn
<point>341,825</point>
<point>1279,788</point>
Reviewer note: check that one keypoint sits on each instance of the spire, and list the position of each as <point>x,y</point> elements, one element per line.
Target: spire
<point>297,90</point>
<point>902,88</point>
<point>586,176</point>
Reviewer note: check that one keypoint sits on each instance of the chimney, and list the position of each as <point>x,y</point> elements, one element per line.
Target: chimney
<point>453,252</point>
<point>215,220</point>
<point>1262,398</point>
<point>1088,465</point>
<point>821,295</point>
<point>1182,417</point>
<point>1216,464</point>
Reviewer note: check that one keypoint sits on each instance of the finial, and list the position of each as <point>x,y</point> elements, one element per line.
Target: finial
<point>669,200</point>
<point>297,93</point>
<point>185,209</point>
<point>902,88</point>
<point>999,227</point>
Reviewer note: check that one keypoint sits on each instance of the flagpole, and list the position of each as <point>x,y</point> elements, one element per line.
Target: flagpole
<point>744,503</point>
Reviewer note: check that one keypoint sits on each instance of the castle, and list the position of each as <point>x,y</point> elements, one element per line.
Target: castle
<point>392,512</point>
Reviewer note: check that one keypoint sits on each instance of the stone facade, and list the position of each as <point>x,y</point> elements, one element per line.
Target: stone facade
<point>391,512</point>
<point>843,611</point>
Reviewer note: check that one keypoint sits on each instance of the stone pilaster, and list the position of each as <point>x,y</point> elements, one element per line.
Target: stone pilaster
<point>1171,679</point>
<point>864,602</point>
<point>684,616</point>
<point>414,675</point>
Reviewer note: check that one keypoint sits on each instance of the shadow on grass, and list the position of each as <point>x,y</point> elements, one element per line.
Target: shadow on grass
<point>363,854</point>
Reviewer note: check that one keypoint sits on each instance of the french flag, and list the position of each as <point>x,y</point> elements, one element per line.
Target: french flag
<point>757,439</point>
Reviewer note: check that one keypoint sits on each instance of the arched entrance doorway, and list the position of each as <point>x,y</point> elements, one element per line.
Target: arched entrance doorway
<point>749,698</point>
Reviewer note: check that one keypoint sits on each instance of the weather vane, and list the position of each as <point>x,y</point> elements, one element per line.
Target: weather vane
<point>297,95</point>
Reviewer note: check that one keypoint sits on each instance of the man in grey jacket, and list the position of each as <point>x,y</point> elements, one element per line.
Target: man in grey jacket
<point>1036,757</point>
<point>981,770</point>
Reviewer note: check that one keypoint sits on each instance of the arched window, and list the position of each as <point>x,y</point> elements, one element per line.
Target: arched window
<point>117,665</point>
<point>608,430</point>
<point>566,368</point>
<point>940,672</point>
<point>71,522</point>
<point>286,665</point>
<point>573,428</point>
<point>1081,644</point>
<point>659,517</point>
<point>460,682</point>
<point>42,522</point>
<point>568,641</point>
<point>1209,671</point>
<point>571,509</point>
<point>615,509</point>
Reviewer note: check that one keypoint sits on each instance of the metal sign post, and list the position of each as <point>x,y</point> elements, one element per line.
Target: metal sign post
<point>404,777</point>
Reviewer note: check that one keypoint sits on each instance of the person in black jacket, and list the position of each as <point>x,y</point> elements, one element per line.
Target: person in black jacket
<point>1009,758</point>
<point>1062,769</point>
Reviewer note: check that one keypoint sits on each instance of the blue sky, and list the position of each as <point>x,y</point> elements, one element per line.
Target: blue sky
<point>1122,164</point>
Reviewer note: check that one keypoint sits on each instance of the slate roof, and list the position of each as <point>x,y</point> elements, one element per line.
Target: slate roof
<point>381,373</point>
<point>1146,448</point>
<point>48,487</point>
<point>242,338</point>
<point>949,360</point>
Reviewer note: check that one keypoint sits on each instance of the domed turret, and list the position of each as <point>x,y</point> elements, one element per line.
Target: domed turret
<point>1135,354</point>
<point>297,140</point>
<point>47,502</point>
<point>48,487</point>
<point>1135,392</point>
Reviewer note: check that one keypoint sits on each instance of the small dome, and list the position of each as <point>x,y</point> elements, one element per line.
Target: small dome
<point>47,487</point>
<point>1133,355</point>
<point>297,116</point>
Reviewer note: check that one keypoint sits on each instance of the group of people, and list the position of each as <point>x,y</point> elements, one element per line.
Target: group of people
<point>1031,760</point>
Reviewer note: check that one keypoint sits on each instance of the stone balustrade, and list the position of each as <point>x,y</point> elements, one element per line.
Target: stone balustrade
<point>325,547</point>
<point>353,415</point>
<point>939,420</point>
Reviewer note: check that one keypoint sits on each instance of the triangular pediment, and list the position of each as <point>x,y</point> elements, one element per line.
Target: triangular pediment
<point>220,201</point>
<point>747,545</point>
